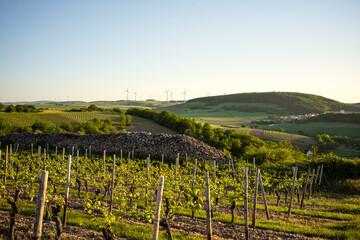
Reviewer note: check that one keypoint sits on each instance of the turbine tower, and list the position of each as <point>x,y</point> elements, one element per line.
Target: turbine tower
<point>171,96</point>
<point>127,94</point>
<point>135,95</point>
<point>184,95</point>
<point>167,95</point>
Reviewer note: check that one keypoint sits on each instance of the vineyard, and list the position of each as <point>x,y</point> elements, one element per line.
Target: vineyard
<point>64,191</point>
<point>57,117</point>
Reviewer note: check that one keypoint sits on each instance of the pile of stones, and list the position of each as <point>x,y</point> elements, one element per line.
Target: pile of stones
<point>141,143</point>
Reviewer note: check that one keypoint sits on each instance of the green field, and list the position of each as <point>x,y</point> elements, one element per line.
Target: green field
<point>352,130</point>
<point>216,116</point>
<point>56,116</point>
<point>345,153</point>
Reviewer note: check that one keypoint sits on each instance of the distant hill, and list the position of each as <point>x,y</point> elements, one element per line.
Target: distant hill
<point>273,103</point>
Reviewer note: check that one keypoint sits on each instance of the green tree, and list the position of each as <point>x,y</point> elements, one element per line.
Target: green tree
<point>117,110</point>
<point>10,108</point>
<point>67,126</point>
<point>207,131</point>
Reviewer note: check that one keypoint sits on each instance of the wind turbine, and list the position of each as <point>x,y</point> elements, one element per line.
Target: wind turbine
<point>171,96</point>
<point>184,94</point>
<point>167,95</point>
<point>127,94</point>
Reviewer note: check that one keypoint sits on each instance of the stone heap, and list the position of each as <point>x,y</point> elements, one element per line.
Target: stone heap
<point>142,143</point>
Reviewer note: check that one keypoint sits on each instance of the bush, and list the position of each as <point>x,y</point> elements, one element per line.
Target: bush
<point>349,186</point>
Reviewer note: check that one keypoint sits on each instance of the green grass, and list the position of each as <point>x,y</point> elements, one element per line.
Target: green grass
<point>136,119</point>
<point>120,229</point>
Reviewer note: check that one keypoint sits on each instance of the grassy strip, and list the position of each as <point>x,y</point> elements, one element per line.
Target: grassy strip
<point>293,225</point>
<point>120,229</point>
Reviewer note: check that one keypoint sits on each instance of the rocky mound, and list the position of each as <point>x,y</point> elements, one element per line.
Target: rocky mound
<point>142,143</point>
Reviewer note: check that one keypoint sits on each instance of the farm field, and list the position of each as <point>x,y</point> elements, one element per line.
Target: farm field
<point>216,114</point>
<point>123,105</point>
<point>322,215</point>
<point>144,125</point>
<point>56,116</point>
<point>352,130</point>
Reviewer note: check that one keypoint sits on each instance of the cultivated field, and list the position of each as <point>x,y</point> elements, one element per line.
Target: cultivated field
<point>352,130</point>
<point>57,117</point>
<point>144,125</point>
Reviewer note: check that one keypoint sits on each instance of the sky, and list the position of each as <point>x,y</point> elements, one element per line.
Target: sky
<point>97,50</point>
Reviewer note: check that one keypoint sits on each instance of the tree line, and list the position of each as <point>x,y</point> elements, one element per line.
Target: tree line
<point>27,108</point>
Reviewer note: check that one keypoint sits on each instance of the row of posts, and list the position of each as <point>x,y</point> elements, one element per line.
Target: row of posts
<point>44,177</point>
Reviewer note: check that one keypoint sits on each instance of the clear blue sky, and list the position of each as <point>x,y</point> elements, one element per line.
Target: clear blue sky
<point>95,50</point>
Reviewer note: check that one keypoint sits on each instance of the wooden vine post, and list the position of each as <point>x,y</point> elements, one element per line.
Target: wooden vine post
<point>229,168</point>
<point>39,154</point>
<point>186,158</point>
<point>77,160</point>
<point>44,159</point>
<point>294,169</point>
<point>305,187</point>
<point>316,178</point>
<point>6,163</point>
<point>255,197</point>
<point>112,183</point>
<point>320,176</point>
<point>32,149</point>
<point>67,190</point>
<point>162,161</point>
<point>208,206</point>
<point>10,154</point>
<point>246,203</point>
<point>311,184</point>
<point>233,168</point>
<point>63,156</point>
<point>147,177</point>
<point>194,174</point>
<point>129,156</point>
<point>176,167</point>
<point>104,160</point>
<point>214,171</point>
<point>263,195</point>
<point>158,208</point>
<point>254,165</point>
<point>40,203</point>
<point>90,152</point>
